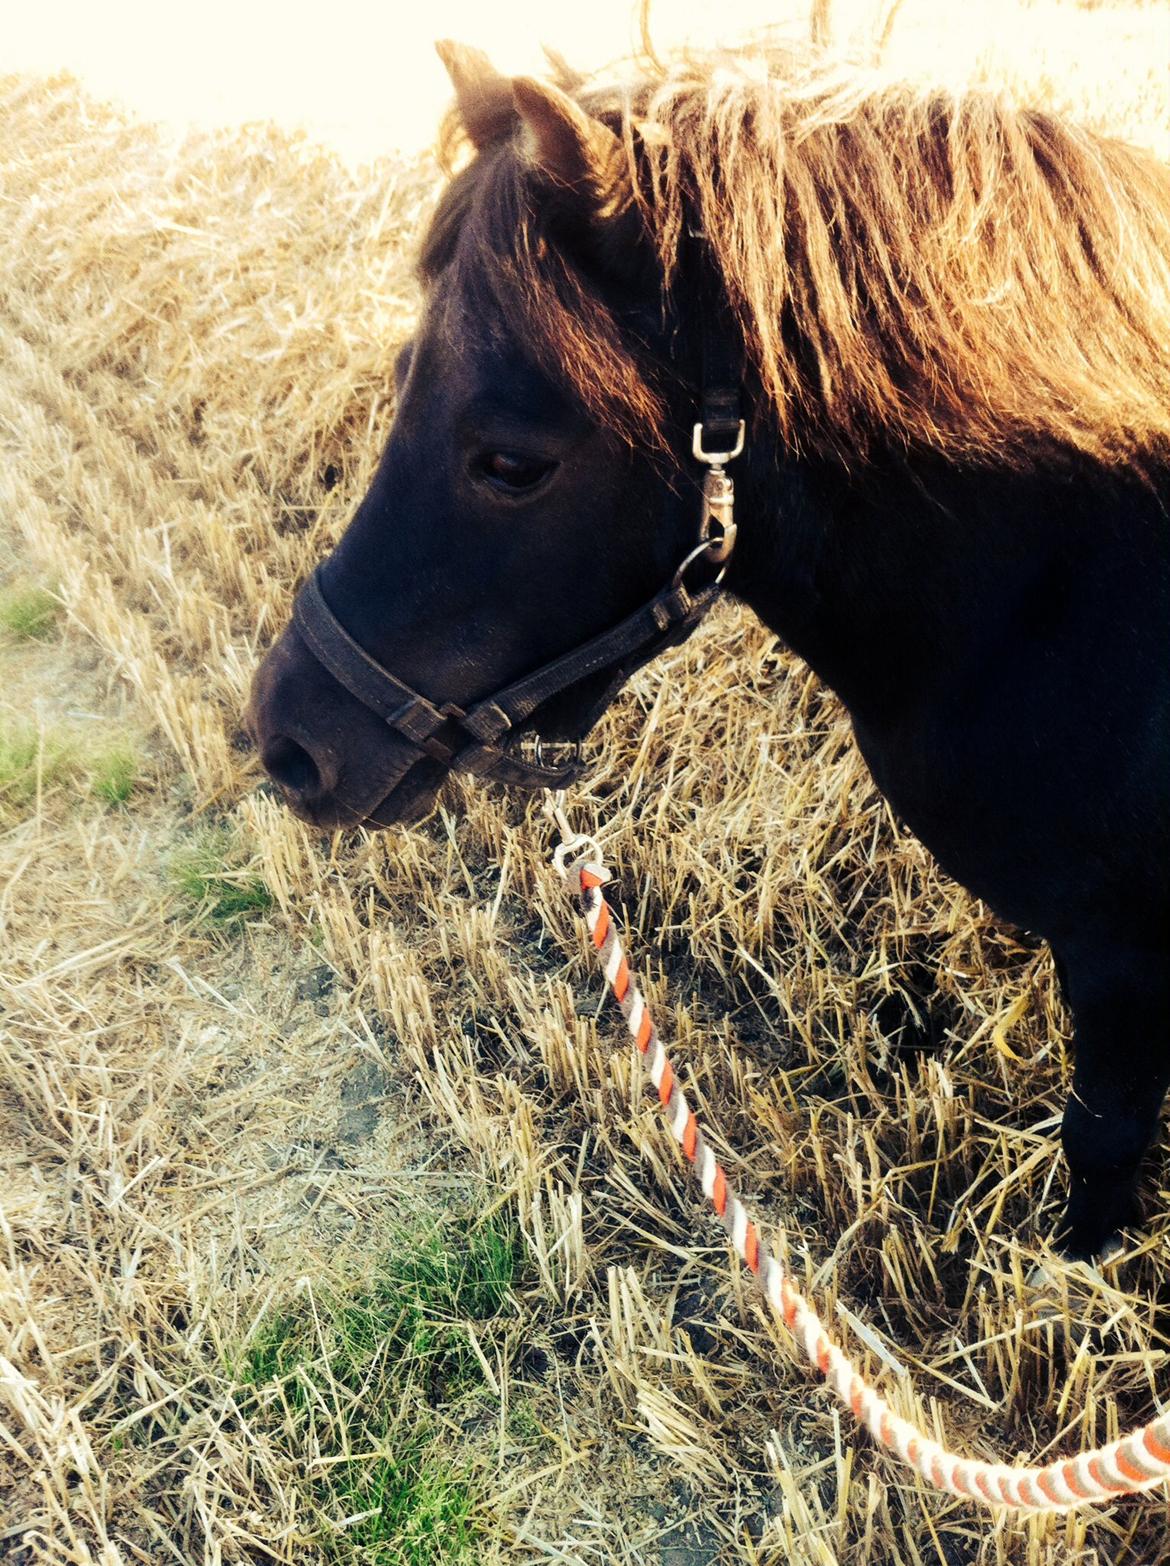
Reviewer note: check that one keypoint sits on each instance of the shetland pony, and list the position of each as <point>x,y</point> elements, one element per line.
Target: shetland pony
<point>952,321</point>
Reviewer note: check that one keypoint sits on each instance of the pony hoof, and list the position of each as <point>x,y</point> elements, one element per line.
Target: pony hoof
<point>1046,1274</point>
<point>1108,1251</point>
<point>1043,1285</point>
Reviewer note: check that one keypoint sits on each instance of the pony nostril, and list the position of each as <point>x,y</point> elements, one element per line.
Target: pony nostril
<point>290,765</point>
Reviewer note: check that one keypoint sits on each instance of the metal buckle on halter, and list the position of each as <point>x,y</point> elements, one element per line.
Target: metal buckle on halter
<point>549,753</point>
<point>436,748</point>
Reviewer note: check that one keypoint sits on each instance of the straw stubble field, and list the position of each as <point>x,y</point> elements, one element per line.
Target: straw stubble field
<point>335,1223</point>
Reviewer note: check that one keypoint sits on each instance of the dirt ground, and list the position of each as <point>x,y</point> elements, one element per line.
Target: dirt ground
<point>335,1224</point>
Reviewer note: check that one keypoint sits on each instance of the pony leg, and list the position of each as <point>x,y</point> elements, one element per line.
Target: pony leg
<point>1121,1011</point>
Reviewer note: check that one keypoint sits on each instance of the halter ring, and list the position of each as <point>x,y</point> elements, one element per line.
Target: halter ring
<point>715,458</point>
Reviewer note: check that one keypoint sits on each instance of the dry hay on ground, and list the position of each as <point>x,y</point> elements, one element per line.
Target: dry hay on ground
<point>231,1093</point>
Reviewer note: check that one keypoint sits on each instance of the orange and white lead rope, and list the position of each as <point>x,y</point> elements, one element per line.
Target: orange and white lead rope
<point>1136,1462</point>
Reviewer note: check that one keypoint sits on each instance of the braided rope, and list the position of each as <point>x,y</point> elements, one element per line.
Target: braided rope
<point>1136,1462</point>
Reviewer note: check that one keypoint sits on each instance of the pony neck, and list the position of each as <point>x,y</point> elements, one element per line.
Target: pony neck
<point>887,578</point>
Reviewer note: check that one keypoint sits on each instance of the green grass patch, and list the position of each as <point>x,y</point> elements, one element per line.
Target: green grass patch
<point>351,1382</point>
<point>211,871</point>
<point>114,773</point>
<point>28,613</point>
<point>429,1284</point>
<point>523,1424</point>
<point>410,1509</point>
<point>30,762</point>
<point>34,761</point>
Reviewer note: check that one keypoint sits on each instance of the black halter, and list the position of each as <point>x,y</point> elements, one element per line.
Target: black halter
<point>476,740</point>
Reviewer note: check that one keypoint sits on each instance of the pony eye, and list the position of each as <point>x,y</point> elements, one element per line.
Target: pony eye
<point>510,470</point>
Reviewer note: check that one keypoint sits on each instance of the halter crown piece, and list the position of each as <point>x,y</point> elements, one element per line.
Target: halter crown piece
<point>489,738</point>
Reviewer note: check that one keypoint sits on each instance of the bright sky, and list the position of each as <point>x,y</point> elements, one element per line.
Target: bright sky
<point>363,76</point>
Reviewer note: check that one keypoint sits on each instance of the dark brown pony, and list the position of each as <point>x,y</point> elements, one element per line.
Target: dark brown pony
<point>952,319</point>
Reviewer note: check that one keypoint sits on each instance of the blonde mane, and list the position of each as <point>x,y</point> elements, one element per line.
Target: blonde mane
<point>910,268</point>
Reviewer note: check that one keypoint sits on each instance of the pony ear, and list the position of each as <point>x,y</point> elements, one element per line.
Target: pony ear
<point>570,147</point>
<point>483,96</point>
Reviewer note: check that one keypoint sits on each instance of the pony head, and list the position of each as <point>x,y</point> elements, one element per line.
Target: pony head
<point>903,274</point>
